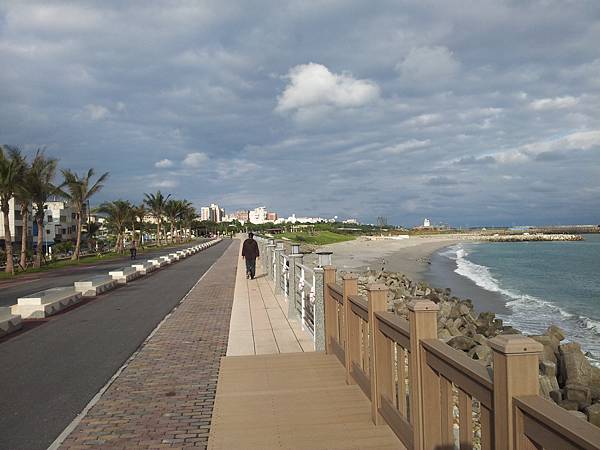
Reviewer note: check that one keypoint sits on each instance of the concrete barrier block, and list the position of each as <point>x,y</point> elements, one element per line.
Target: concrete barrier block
<point>124,275</point>
<point>46,303</point>
<point>157,262</point>
<point>144,267</point>
<point>9,322</point>
<point>95,285</point>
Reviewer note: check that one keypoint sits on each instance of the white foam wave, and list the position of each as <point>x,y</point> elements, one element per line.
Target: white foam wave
<point>530,314</point>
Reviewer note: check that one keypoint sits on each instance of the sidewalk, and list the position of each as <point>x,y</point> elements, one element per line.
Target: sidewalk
<point>164,397</point>
<point>259,323</point>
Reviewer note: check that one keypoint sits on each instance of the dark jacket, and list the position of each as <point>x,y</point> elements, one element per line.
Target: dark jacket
<point>250,249</point>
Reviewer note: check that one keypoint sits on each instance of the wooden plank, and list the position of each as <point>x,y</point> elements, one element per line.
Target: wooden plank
<point>397,422</point>
<point>338,351</point>
<point>394,327</point>
<point>458,367</point>
<point>465,411</point>
<point>359,307</point>
<point>560,423</point>
<point>336,292</point>
<point>447,412</point>
<point>361,379</point>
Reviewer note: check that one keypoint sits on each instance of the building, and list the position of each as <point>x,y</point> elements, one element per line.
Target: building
<point>15,221</point>
<point>258,215</point>
<point>271,216</point>
<point>426,223</point>
<point>205,213</point>
<point>242,216</point>
<point>351,222</point>
<point>60,222</point>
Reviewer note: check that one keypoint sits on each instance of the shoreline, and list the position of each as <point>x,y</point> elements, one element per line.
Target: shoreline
<point>420,259</point>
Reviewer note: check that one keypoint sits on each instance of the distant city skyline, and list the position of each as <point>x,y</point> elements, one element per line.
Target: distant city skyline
<point>478,116</point>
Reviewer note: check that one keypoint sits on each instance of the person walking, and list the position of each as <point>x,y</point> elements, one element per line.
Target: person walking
<point>250,253</point>
<point>133,250</point>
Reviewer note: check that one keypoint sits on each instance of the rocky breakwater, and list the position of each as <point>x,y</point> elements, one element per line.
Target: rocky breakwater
<point>566,375</point>
<point>526,237</point>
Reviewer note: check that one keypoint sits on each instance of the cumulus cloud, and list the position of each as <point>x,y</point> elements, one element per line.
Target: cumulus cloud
<point>195,160</point>
<point>554,103</point>
<point>164,163</point>
<point>315,86</point>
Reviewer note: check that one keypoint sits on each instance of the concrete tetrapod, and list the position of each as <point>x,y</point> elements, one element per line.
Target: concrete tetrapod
<point>46,303</point>
<point>124,275</point>
<point>95,285</point>
<point>9,322</point>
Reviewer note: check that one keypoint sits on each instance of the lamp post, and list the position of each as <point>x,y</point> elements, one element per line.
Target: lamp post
<point>324,258</point>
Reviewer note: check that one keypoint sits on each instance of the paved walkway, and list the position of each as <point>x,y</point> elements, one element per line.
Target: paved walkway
<point>292,401</point>
<point>259,323</point>
<point>164,397</point>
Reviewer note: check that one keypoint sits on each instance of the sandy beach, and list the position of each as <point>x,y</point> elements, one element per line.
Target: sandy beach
<point>413,257</point>
<point>409,256</point>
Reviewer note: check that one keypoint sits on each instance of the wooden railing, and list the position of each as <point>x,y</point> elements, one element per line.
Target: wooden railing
<point>433,396</point>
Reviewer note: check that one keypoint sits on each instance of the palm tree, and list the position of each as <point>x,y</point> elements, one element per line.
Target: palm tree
<point>42,175</point>
<point>156,204</point>
<point>78,192</point>
<point>23,196</point>
<point>172,208</point>
<point>139,212</point>
<point>92,230</point>
<point>119,213</point>
<point>187,216</point>
<point>11,172</point>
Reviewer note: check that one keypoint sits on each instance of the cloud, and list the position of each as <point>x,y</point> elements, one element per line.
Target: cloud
<point>194,160</point>
<point>163,163</point>
<point>96,112</point>
<point>406,146</point>
<point>427,64</point>
<point>167,184</point>
<point>314,86</point>
<point>554,103</point>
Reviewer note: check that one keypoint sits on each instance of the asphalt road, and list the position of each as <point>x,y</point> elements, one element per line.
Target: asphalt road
<point>10,291</point>
<point>49,373</point>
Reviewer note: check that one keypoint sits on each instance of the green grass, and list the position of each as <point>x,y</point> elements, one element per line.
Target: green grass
<point>83,261</point>
<point>317,238</point>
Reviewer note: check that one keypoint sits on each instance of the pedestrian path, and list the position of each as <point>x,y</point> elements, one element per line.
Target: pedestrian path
<point>259,323</point>
<point>164,397</point>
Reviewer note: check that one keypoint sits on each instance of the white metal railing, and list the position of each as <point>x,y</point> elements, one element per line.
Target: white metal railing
<point>284,279</point>
<point>305,297</point>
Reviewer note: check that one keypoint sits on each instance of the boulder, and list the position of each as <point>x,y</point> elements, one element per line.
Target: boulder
<point>574,366</point>
<point>547,385</point>
<point>549,350</point>
<point>463,343</point>
<point>556,395</point>
<point>593,414</point>
<point>578,393</point>
<point>556,333</point>
<point>481,353</point>
<point>569,405</point>
<point>548,368</point>
<point>444,335</point>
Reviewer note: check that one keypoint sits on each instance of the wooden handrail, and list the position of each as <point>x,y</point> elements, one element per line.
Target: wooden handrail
<point>394,327</point>
<point>336,292</point>
<point>360,307</point>
<point>467,374</point>
<point>550,426</point>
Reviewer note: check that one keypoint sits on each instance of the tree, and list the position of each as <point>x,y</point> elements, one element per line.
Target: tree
<point>187,217</point>
<point>24,196</point>
<point>118,215</point>
<point>92,231</point>
<point>78,192</point>
<point>11,171</point>
<point>139,212</point>
<point>172,208</point>
<point>43,170</point>
<point>156,204</point>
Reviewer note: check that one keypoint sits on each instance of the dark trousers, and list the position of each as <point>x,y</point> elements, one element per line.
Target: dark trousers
<point>251,267</point>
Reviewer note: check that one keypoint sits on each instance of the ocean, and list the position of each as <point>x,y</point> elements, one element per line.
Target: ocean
<point>530,285</point>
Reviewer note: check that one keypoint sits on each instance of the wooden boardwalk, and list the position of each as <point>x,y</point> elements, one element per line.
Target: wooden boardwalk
<point>292,401</point>
<point>259,323</point>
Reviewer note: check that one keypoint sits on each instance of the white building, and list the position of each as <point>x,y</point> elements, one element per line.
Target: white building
<point>426,223</point>
<point>258,215</point>
<point>15,221</point>
<point>205,213</point>
<point>213,213</point>
<point>60,222</point>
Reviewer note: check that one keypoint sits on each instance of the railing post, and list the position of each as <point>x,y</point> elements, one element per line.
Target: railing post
<point>270,253</point>
<point>329,307</point>
<point>293,292</point>
<point>516,368</point>
<point>377,298</point>
<point>319,317</point>
<point>278,252</point>
<point>422,315</point>
<point>351,350</point>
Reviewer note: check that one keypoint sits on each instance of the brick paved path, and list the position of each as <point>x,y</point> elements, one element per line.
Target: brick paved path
<point>164,398</point>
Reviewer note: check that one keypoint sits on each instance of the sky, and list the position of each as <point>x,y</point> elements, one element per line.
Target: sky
<point>481,112</point>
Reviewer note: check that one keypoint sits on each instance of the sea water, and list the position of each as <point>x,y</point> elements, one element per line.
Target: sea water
<point>542,283</point>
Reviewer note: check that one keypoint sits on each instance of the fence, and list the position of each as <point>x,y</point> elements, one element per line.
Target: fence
<point>431,395</point>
